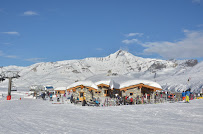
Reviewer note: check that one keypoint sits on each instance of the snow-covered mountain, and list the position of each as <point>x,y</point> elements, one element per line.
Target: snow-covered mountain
<point>171,74</point>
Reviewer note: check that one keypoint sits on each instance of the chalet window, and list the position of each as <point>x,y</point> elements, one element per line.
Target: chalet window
<point>81,94</point>
<point>131,94</point>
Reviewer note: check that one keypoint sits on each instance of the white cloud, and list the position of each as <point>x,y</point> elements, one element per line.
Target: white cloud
<point>35,59</point>
<point>7,44</point>
<point>30,13</point>
<point>200,25</point>
<point>2,54</point>
<point>99,49</point>
<point>11,33</point>
<point>11,56</point>
<point>133,34</point>
<point>189,47</point>
<point>130,41</point>
<point>196,1</point>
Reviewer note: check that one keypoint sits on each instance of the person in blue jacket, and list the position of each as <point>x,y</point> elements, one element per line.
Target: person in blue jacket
<point>183,95</point>
<point>187,93</point>
<point>50,95</point>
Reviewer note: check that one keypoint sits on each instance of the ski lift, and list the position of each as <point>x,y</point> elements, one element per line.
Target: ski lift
<point>2,79</point>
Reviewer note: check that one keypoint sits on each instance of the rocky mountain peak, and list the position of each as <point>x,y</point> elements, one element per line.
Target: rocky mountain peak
<point>120,53</point>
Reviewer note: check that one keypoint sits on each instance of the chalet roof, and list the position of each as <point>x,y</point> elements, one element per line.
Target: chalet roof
<point>60,88</point>
<point>120,81</point>
<point>136,82</point>
<point>111,80</point>
<point>84,83</point>
<point>114,81</point>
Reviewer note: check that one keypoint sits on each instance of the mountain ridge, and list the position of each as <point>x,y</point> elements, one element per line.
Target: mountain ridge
<point>63,73</point>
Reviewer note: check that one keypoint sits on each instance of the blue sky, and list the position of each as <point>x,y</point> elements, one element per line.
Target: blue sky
<point>53,30</point>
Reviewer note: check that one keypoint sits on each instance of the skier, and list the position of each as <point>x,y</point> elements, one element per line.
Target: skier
<point>187,95</point>
<point>84,102</point>
<point>174,97</point>
<point>131,101</point>
<point>43,96</point>
<point>124,100</point>
<point>148,98</point>
<point>71,98</point>
<point>97,103</point>
<point>137,99</point>
<point>183,95</point>
<point>142,99</point>
<point>58,98</point>
<point>50,95</point>
<point>121,101</point>
<point>155,96</point>
<point>191,96</point>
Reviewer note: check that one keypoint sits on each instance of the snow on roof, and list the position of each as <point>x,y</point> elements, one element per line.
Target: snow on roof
<point>60,88</point>
<point>120,81</point>
<point>106,82</point>
<point>48,86</point>
<point>135,82</point>
<point>84,83</point>
<point>117,81</point>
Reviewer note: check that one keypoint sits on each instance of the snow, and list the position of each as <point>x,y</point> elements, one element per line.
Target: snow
<point>84,83</point>
<point>105,78</point>
<point>120,81</point>
<point>135,82</point>
<point>171,75</point>
<point>106,82</point>
<point>38,116</point>
<point>60,88</point>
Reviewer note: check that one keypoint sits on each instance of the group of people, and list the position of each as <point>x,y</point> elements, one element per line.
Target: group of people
<point>50,95</point>
<point>60,96</point>
<point>129,99</point>
<point>185,95</point>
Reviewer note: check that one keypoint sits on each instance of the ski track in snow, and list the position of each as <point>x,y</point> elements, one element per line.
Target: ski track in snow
<point>38,116</point>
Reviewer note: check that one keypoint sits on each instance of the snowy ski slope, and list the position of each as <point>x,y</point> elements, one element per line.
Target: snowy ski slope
<point>38,116</point>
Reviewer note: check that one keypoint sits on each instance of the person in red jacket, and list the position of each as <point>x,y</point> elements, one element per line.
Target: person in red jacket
<point>131,100</point>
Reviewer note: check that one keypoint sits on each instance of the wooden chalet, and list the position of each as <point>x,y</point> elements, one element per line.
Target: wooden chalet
<point>83,90</point>
<point>60,90</point>
<point>111,87</point>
